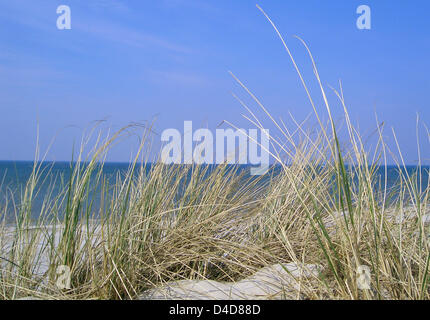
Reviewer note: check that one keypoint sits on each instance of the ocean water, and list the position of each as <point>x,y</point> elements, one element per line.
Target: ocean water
<point>14,176</point>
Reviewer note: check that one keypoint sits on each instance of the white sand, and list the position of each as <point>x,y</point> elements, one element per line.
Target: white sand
<point>279,281</point>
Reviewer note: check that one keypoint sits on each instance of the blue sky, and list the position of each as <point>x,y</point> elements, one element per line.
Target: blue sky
<point>129,61</point>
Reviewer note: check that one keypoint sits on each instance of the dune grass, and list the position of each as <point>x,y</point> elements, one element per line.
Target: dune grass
<point>156,223</point>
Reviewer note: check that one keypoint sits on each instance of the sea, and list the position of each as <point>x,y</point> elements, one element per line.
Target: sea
<point>14,175</point>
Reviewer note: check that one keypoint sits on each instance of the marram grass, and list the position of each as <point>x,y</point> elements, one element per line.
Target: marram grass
<point>157,223</point>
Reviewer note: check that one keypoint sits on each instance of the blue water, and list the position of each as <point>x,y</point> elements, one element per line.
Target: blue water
<point>14,176</point>
<point>53,179</point>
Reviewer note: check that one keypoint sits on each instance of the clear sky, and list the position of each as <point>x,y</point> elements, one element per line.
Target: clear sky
<point>133,60</point>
